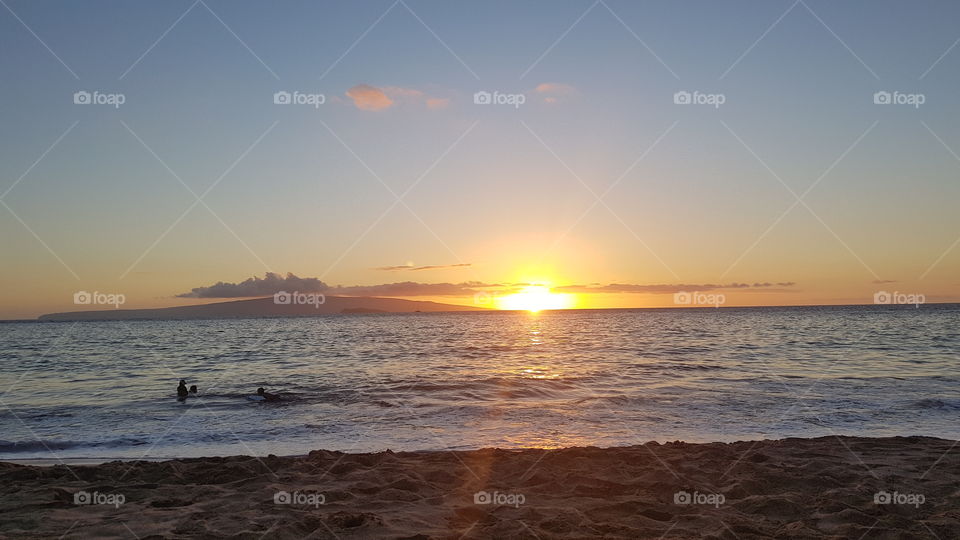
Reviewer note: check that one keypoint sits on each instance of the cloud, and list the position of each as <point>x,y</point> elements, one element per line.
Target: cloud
<point>369,98</point>
<point>413,268</point>
<point>396,91</point>
<point>437,103</point>
<point>270,284</point>
<point>412,288</point>
<point>417,97</point>
<point>667,288</point>
<point>555,92</point>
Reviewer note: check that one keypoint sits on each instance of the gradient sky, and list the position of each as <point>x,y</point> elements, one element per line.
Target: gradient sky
<point>509,191</point>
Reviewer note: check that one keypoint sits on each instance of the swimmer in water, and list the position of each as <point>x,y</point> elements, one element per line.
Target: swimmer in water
<point>182,389</point>
<point>267,396</point>
<point>193,389</point>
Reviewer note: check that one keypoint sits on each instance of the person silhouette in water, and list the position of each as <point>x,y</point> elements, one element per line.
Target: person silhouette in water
<point>182,389</point>
<point>193,389</point>
<point>267,396</point>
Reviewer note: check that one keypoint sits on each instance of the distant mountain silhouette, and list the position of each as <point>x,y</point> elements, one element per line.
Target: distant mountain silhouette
<point>262,307</point>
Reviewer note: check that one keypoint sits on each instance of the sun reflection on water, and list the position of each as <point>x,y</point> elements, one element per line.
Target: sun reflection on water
<point>537,372</point>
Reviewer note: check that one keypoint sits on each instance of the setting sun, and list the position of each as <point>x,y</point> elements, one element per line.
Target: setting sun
<point>535,298</point>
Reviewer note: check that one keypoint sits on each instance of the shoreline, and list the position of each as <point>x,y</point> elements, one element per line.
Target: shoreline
<point>96,460</point>
<point>825,487</point>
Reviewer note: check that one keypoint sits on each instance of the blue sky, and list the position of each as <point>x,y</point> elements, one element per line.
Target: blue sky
<point>798,98</point>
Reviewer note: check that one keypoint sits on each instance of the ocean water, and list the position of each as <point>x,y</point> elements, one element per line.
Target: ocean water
<point>471,380</point>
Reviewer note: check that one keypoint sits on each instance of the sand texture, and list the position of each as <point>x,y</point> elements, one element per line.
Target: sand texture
<point>826,487</point>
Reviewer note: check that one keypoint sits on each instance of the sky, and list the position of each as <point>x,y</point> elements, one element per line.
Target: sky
<point>782,182</point>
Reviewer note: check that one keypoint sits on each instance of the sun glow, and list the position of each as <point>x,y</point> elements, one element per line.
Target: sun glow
<point>535,298</point>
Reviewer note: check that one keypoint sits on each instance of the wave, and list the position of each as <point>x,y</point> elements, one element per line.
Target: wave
<point>486,383</point>
<point>620,401</point>
<point>930,403</point>
<point>34,445</point>
<point>486,388</point>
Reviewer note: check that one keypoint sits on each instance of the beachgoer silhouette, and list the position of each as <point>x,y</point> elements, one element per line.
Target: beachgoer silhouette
<point>267,396</point>
<point>182,389</point>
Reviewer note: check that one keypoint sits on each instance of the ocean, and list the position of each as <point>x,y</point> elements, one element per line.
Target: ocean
<point>422,381</point>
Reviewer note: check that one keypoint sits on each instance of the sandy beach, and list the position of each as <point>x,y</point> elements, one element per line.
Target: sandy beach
<point>829,487</point>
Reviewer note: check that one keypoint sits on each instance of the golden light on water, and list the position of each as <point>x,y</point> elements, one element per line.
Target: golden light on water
<point>535,298</point>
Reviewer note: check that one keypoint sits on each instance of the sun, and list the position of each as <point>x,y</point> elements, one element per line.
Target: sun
<point>535,298</point>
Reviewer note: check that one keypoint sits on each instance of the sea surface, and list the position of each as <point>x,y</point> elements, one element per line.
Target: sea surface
<point>470,380</point>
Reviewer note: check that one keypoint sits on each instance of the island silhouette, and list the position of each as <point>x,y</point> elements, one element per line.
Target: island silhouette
<point>263,307</point>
